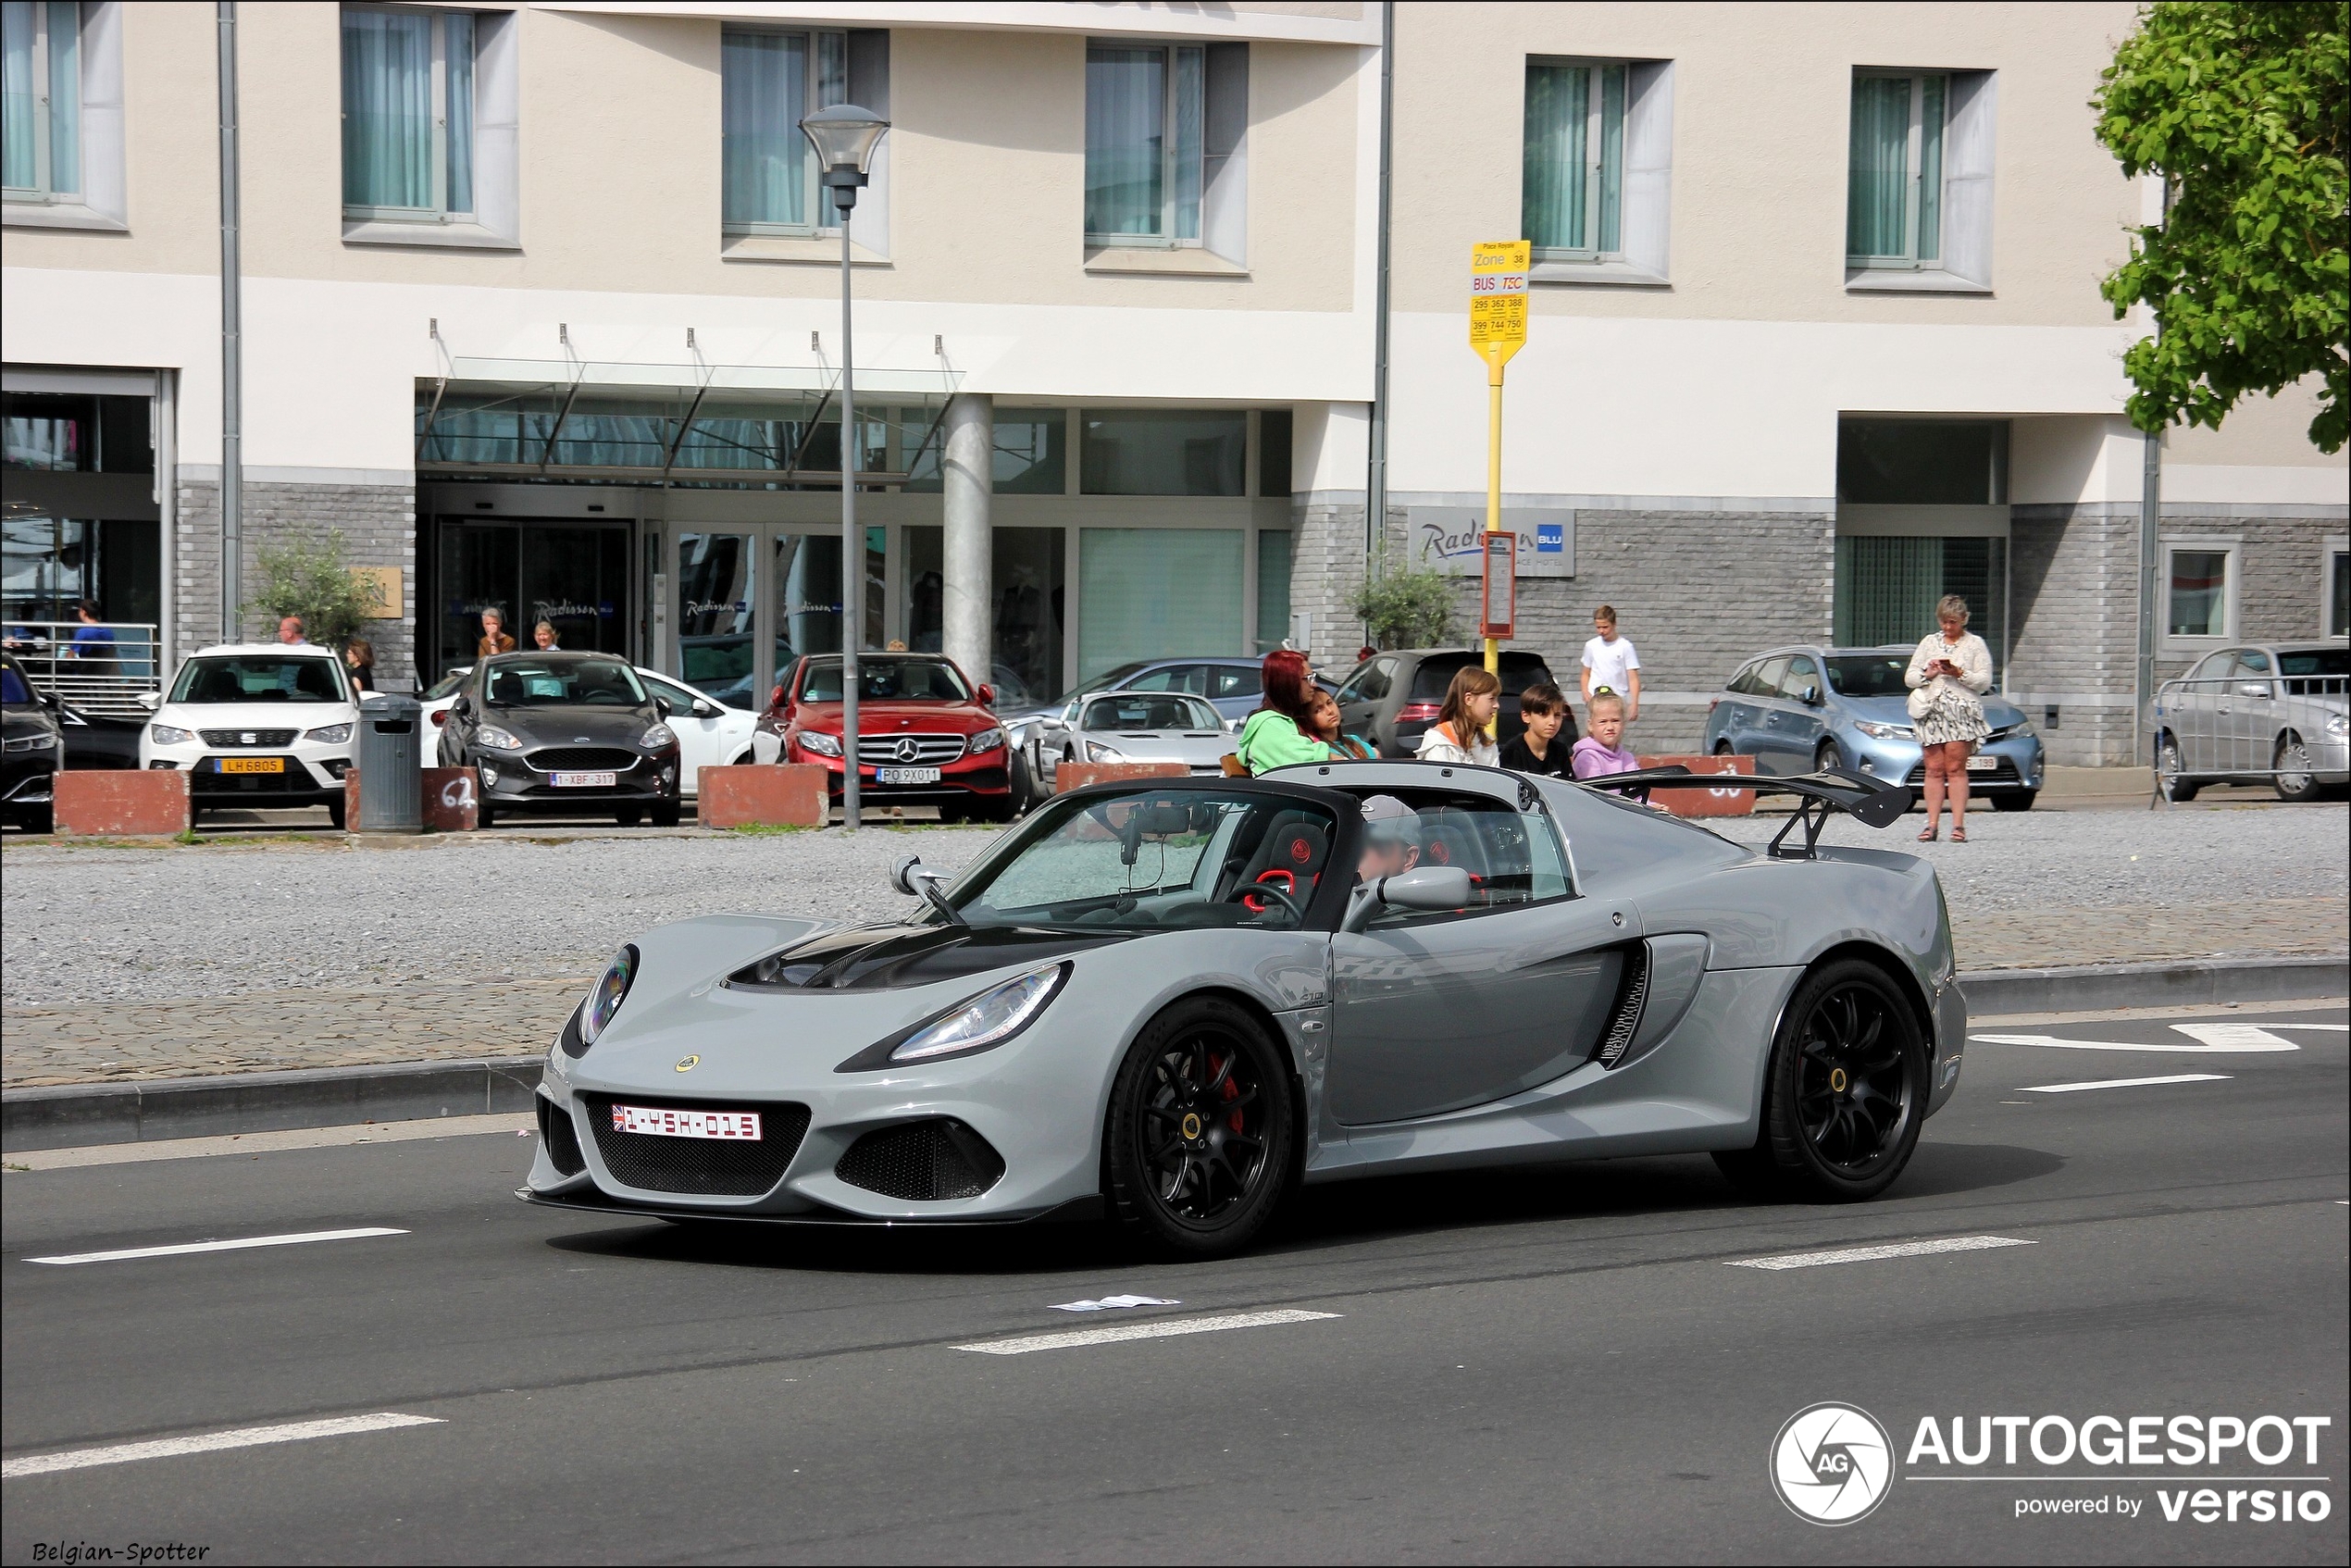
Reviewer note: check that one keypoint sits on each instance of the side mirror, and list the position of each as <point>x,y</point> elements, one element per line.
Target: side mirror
<point>463,707</point>
<point>909,875</point>
<point>151,701</point>
<point>901,876</point>
<point>1811,697</point>
<point>1430,889</point>
<point>987,696</point>
<point>704,709</point>
<point>2254,689</point>
<point>665,705</point>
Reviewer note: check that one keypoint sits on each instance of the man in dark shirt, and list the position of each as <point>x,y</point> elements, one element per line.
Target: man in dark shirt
<point>1544,750</point>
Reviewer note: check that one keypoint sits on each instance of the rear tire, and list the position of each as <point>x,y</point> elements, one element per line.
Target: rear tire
<point>2015,800</point>
<point>1195,1152</point>
<point>2292,776</point>
<point>334,814</point>
<point>628,816</point>
<point>485,815</point>
<point>1844,1095</point>
<point>1022,782</point>
<point>2167,769</point>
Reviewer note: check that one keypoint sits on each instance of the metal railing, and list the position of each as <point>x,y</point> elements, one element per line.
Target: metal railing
<point>101,667</point>
<point>2248,729</point>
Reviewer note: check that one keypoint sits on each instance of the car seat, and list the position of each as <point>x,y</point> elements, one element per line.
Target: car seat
<point>506,690</point>
<point>1449,836</point>
<point>1289,857</point>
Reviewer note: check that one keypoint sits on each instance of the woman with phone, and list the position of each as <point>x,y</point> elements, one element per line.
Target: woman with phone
<point>1947,677</point>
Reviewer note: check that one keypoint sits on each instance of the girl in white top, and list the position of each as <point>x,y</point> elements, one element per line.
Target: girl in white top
<point>1948,675</point>
<point>1459,734</point>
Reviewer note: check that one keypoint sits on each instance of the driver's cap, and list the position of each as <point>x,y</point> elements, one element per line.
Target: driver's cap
<point>1389,820</point>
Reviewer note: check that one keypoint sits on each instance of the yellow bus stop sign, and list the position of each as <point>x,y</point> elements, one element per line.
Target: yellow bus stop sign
<point>1498,299</point>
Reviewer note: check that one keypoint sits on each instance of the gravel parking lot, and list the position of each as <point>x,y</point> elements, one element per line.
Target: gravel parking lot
<point>86,924</point>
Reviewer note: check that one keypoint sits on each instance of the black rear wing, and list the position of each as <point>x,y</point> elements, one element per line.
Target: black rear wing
<point>1872,801</point>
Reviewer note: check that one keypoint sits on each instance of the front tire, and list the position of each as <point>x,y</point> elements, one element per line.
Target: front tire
<point>2167,769</point>
<point>1844,1093</point>
<point>2015,800</point>
<point>334,814</point>
<point>1828,758</point>
<point>1196,1148</point>
<point>2293,776</point>
<point>668,814</point>
<point>485,815</point>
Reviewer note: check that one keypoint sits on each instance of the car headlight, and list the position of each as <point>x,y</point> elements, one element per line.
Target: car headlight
<point>985,741</point>
<point>1096,752</point>
<point>331,734</point>
<point>611,990</point>
<point>170,735</point>
<point>2338,725</point>
<point>659,738</point>
<point>40,741</point>
<point>496,738</point>
<point>1884,731</point>
<point>984,1021</point>
<point>822,744</point>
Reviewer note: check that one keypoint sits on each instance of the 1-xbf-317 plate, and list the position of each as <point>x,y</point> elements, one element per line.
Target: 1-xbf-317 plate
<point>586,780</point>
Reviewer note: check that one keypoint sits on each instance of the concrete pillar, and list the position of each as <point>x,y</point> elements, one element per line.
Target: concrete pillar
<point>967,479</point>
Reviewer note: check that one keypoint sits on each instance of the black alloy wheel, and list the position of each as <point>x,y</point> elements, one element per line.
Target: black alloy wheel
<point>1844,1093</point>
<point>1197,1146</point>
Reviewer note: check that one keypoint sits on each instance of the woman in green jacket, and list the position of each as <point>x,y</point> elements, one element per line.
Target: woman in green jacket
<point>1278,733</point>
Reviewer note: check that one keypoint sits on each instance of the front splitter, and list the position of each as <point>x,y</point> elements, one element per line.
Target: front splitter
<point>1077,1209</point>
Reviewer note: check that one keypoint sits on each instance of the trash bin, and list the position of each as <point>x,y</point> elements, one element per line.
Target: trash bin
<point>391,785</point>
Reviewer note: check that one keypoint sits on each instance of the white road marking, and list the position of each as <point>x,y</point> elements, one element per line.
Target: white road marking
<point>209,1442</point>
<point>2126,1083</point>
<point>239,1245</point>
<point>1872,1254</point>
<point>269,1142</point>
<point>2211,1039</point>
<point>1162,1329</point>
<point>2134,1014</point>
<point>1110,1302</point>
<point>2334,1028</point>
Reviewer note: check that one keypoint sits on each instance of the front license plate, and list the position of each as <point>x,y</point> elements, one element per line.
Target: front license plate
<point>253,765</point>
<point>739,1126</point>
<point>1982,765</point>
<point>905,775</point>
<point>586,780</point>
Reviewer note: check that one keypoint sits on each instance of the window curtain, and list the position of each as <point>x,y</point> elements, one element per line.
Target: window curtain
<point>1931,94</point>
<point>1612,170</point>
<point>764,81</point>
<point>460,27</point>
<point>832,87</point>
<point>1558,119</point>
<point>1191,75</point>
<point>1886,589</point>
<point>387,109</point>
<point>1149,593</point>
<point>25,70</point>
<point>2199,593</point>
<point>1273,588</point>
<point>16,19</point>
<point>1878,172</point>
<point>1126,113</point>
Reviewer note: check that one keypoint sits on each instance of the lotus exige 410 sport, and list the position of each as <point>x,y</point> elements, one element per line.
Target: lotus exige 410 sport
<point>1172,1001</point>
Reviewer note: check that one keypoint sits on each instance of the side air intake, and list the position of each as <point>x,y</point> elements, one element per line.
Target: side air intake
<point>1632,992</point>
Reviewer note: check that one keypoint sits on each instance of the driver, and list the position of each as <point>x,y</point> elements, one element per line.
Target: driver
<point>1391,839</point>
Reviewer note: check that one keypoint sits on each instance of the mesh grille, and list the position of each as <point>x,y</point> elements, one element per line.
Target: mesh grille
<point>228,738</point>
<point>708,1167</point>
<point>890,750</point>
<point>583,759</point>
<point>923,1162</point>
<point>1634,991</point>
<point>562,1143</point>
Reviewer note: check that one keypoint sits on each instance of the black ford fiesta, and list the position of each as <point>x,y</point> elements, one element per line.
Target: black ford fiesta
<point>575,733</point>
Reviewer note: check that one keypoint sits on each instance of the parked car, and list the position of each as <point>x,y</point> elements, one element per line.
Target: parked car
<point>96,742</point>
<point>1135,727</point>
<point>710,733</point>
<point>30,744</point>
<point>926,734</point>
<point>256,725</point>
<point>565,732</point>
<point>1810,709</point>
<point>2273,712</point>
<point>1391,698</point>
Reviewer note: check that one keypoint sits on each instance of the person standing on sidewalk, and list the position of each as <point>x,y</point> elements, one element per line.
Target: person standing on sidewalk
<point>1609,663</point>
<point>1947,677</point>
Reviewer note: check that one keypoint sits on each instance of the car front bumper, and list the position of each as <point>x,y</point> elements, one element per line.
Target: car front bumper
<point>2018,761</point>
<point>510,784</point>
<point>984,776</point>
<point>309,773</point>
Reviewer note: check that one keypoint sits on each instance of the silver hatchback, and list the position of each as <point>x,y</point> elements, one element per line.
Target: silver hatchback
<point>2276,712</point>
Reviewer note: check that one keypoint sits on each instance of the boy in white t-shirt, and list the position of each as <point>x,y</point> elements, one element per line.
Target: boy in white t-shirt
<point>1609,662</point>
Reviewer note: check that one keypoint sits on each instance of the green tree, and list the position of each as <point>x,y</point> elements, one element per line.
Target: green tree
<point>308,575</point>
<point>1406,606</point>
<point>2241,109</point>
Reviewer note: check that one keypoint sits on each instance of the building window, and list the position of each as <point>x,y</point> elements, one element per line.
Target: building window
<point>1574,171</point>
<point>2335,587</point>
<point>408,114</point>
<point>769,83</point>
<point>1154,452</point>
<point>1165,128</point>
<point>2200,598</point>
<point>44,137</point>
<point>1894,198</point>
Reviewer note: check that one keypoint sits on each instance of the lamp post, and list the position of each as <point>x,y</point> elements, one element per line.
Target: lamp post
<point>845,137</point>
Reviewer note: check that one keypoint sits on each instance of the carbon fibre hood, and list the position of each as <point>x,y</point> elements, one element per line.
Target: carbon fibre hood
<point>897,957</point>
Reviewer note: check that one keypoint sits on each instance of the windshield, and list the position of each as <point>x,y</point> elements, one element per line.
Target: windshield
<point>599,683</point>
<point>1518,671</point>
<point>257,677</point>
<point>1109,680</point>
<point>2314,661</point>
<point>888,680</point>
<point>1869,675</point>
<point>447,684</point>
<point>1150,860</point>
<point>1149,710</point>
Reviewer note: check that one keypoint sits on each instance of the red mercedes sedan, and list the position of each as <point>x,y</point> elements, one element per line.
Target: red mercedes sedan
<point>926,734</point>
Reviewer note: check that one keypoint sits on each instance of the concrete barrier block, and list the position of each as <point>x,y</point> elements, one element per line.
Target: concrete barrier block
<point>761,795</point>
<point>351,796</point>
<point>451,796</point>
<point>1077,775</point>
<point>144,803</point>
<point>1705,802</point>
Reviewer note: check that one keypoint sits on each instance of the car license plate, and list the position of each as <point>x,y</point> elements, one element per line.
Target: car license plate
<point>253,765</point>
<point>586,780</point>
<point>1982,765</point>
<point>741,1126</point>
<point>905,775</point>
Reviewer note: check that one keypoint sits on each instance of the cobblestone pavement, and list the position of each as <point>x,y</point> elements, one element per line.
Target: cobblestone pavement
<point>122,964</point>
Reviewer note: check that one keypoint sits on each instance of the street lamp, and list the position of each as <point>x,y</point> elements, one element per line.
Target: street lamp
<point>845,137</point>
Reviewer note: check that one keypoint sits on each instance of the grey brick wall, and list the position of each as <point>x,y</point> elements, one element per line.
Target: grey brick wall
<point>2074,617</point>
<point>2281,560</point>
<point>379,526</point>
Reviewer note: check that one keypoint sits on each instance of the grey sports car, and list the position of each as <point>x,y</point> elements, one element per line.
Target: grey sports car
<point>1135,727</point>
<point>1169,1003</point>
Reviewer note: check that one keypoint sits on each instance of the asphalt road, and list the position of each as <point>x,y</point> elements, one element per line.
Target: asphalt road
<point>1564,1364</point>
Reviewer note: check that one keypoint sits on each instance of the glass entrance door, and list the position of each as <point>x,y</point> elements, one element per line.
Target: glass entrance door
<point>574,578</point>
<point>736,636</point>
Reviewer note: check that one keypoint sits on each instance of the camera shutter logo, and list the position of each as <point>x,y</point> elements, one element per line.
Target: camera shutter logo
<point>1832,1464</point>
